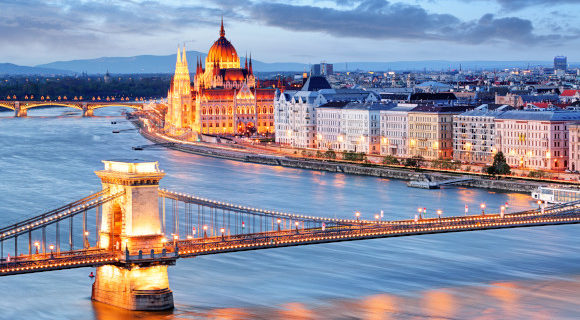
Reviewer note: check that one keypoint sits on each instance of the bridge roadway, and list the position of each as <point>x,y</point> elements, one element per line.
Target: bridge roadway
<point>189,248</point>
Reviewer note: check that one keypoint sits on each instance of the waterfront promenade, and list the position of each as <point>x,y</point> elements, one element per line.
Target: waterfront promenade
<point>267,156</point>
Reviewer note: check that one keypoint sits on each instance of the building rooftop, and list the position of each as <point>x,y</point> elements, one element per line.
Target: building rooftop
<point>315,83</point>
<point>358,106</point>
<point>541,115</point>
<point>440,109</point>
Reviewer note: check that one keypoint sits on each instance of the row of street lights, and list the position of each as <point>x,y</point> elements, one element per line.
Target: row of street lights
<point>423,211</point>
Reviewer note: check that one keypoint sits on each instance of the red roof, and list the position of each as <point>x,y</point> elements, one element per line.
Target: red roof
<point>544,105</point>
<point>570,93</point>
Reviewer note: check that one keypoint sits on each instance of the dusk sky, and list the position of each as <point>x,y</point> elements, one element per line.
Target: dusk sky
<point>36,31</point>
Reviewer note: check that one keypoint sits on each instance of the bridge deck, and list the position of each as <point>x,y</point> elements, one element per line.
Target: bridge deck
<point>556,215</point>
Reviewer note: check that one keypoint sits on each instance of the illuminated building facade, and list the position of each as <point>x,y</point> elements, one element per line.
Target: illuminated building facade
<point>535,140</point>
<point>474,134</point>
<point>431,131</point>
<point>224,99</point>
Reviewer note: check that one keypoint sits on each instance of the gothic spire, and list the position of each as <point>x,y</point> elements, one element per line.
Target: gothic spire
<point>251,70</point>
<point>222,31</point>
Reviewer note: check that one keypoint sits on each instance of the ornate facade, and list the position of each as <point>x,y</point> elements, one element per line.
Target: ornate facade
<point>224,99</point>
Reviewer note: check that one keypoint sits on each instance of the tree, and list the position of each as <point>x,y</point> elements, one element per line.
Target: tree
<point>354,156</point>
<point>390,160</point>
<point>330,154</point>
<point>499,165</point>
<point>414,162</point>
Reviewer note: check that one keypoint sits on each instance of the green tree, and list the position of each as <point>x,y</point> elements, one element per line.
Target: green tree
<point>499,165</point>
<point>414,162</point>
<point>330,154</point>
<point>390,160</point>
<point>354,156</point>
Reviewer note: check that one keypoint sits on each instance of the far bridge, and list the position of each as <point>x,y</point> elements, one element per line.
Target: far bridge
<point>21,108</point>
<point>131,231</point>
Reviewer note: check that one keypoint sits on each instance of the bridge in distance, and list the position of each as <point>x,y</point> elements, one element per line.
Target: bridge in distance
<point>21,108</point>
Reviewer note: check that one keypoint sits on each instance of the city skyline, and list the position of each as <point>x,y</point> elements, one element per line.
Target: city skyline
<point>36,32</point>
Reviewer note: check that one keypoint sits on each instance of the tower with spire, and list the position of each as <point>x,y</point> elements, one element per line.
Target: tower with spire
<point>179,95</point>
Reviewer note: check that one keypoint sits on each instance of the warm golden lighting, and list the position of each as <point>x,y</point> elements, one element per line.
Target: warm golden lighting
<point>130,167</point>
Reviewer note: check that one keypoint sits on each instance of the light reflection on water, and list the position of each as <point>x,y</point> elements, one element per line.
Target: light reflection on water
<point>500,274</point>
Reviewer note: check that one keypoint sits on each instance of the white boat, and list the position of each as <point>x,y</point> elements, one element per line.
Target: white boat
<point>556,195</point>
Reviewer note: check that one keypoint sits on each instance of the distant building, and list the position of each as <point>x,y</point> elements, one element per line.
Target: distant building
<point>431,131</point>
<point>519,101</point>
<point>536,140</point>
<point>440,98</point>
<point>570,95</point>
<point>474,134</point>
<point>322,69</point>
<point>560,63</point>
<point>350,126</point>
<point>433,86</point>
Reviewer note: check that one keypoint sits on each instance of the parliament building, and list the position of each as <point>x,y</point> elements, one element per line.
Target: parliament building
<point>224,98</point>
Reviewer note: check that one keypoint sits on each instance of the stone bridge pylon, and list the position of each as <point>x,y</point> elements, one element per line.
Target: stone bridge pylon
<point>131,224</point>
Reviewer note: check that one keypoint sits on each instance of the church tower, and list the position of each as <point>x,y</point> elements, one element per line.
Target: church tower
<point>179,95</point>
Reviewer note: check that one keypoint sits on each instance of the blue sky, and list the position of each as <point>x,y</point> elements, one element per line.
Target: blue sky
<point>40,31</point>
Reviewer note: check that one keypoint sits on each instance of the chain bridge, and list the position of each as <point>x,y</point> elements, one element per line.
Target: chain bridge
<point>132,230</point>
<point>21,108</point>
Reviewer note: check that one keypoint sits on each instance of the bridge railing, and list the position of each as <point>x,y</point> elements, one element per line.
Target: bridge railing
<point>41,239</point>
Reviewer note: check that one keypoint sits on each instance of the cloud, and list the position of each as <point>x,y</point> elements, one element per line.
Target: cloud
<point>90,23</point>
<point>380,19</point>
<point>520,4</point>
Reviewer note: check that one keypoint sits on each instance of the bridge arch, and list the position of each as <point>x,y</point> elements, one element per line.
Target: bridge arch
<point>121,105</point>
<point>56,104</point>
<point>7,105</point>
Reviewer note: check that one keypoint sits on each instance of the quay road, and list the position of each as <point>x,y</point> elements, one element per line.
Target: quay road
<point>296,236</point>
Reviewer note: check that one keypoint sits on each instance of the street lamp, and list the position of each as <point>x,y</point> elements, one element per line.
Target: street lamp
<point>482,208</point>
<point>357,215</point>
<point>205,231</point>
<point>420,210</point>
<point>502,211</point>
<point>278,221</point>
<point>377,217</point>
<point>539,204</point>
<point>439,213</point>
<point>37,245</point>
<point>296,224</point>
<point>222,230</point>
<point>51,247</point>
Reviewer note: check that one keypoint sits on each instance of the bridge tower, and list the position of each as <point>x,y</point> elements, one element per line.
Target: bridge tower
<point>131,225</point>
<point>19,111</point>
<point>87,112</point>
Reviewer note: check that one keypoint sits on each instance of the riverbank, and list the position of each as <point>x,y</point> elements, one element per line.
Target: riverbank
<point>237,154</point>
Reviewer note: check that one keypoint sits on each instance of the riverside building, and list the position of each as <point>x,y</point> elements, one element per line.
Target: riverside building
<point>431,131</point>
<point>350,126</point>
<point>295,111</point>
<point>474,133</point>
<point>395,130</point>
<point>537,140</point>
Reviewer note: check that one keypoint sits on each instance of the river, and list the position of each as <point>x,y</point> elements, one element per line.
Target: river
<point>48,159</point>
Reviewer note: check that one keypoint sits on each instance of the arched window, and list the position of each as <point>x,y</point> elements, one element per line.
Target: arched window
<point>203,111</point>
<point>223,110</point>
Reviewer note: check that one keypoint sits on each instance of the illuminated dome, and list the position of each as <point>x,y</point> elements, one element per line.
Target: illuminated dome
<point>222,51</point>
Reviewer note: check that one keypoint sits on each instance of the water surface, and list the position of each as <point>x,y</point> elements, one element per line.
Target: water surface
<point>48,159</point>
